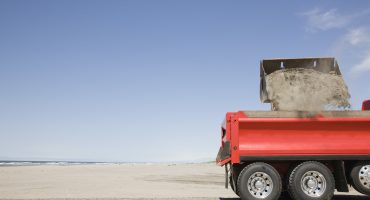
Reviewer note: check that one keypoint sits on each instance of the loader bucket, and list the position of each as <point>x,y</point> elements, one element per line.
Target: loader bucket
<point>324,65</point>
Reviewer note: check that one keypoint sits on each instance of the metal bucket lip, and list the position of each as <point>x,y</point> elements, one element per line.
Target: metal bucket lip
<point>322,64</point>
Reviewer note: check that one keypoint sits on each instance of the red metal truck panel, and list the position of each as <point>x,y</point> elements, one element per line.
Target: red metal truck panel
<point>366,105</point>
<point>304,137</point>
<point>313,136</point>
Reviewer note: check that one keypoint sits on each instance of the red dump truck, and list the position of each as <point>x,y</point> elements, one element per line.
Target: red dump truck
<point>307,154</point>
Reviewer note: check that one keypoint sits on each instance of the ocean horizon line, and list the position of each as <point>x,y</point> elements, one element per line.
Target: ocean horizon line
<point>75,162</point>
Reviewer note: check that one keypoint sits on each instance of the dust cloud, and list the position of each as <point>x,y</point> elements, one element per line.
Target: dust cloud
<point>300,89</point>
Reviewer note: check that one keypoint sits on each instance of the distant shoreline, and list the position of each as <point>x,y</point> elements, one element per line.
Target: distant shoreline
<point>5,163</point>
<point>36,163</point>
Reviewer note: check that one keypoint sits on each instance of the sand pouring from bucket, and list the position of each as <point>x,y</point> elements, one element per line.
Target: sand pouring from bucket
<point>303,84</point>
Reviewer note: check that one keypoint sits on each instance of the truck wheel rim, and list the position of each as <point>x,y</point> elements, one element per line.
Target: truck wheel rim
<point>313,184</point>
<point>364,176</point>
<point>260,185</point>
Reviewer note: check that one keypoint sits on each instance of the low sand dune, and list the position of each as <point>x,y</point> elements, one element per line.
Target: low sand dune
<point>124,181</point>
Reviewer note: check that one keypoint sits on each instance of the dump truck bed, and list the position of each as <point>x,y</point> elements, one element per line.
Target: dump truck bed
<point>305,114</point>
<point>291,135</point>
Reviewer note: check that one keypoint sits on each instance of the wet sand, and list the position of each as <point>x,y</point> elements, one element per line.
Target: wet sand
<point>124,181</point>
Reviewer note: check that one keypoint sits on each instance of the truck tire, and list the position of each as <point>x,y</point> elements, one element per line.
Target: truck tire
<point>311,181</point>
<point>259,181</point>
<point>360,177</point>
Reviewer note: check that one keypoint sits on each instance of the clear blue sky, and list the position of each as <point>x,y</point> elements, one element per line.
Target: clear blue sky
<point>152,80</point>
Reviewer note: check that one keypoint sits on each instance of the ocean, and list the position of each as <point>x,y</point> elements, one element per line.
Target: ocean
<point>4,163</point>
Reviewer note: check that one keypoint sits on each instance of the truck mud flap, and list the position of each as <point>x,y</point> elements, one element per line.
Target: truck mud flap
<point>340,177</point>
<point>226,177</point>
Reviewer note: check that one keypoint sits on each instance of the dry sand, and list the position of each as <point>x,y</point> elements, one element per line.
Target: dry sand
<point>125,181</point>
<point>306,90</point>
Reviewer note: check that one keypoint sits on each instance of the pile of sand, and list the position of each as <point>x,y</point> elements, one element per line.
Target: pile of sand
<point>306,90</point>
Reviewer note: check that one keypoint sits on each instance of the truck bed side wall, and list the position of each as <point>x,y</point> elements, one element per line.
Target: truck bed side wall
<point>298,137</point>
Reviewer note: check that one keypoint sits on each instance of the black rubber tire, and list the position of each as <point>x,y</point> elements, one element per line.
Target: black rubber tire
<point>355,178</point>
<point>294,183</point>
<point>242,183</point>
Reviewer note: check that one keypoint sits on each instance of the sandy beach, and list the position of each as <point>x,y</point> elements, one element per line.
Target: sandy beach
<point>120,181</point>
